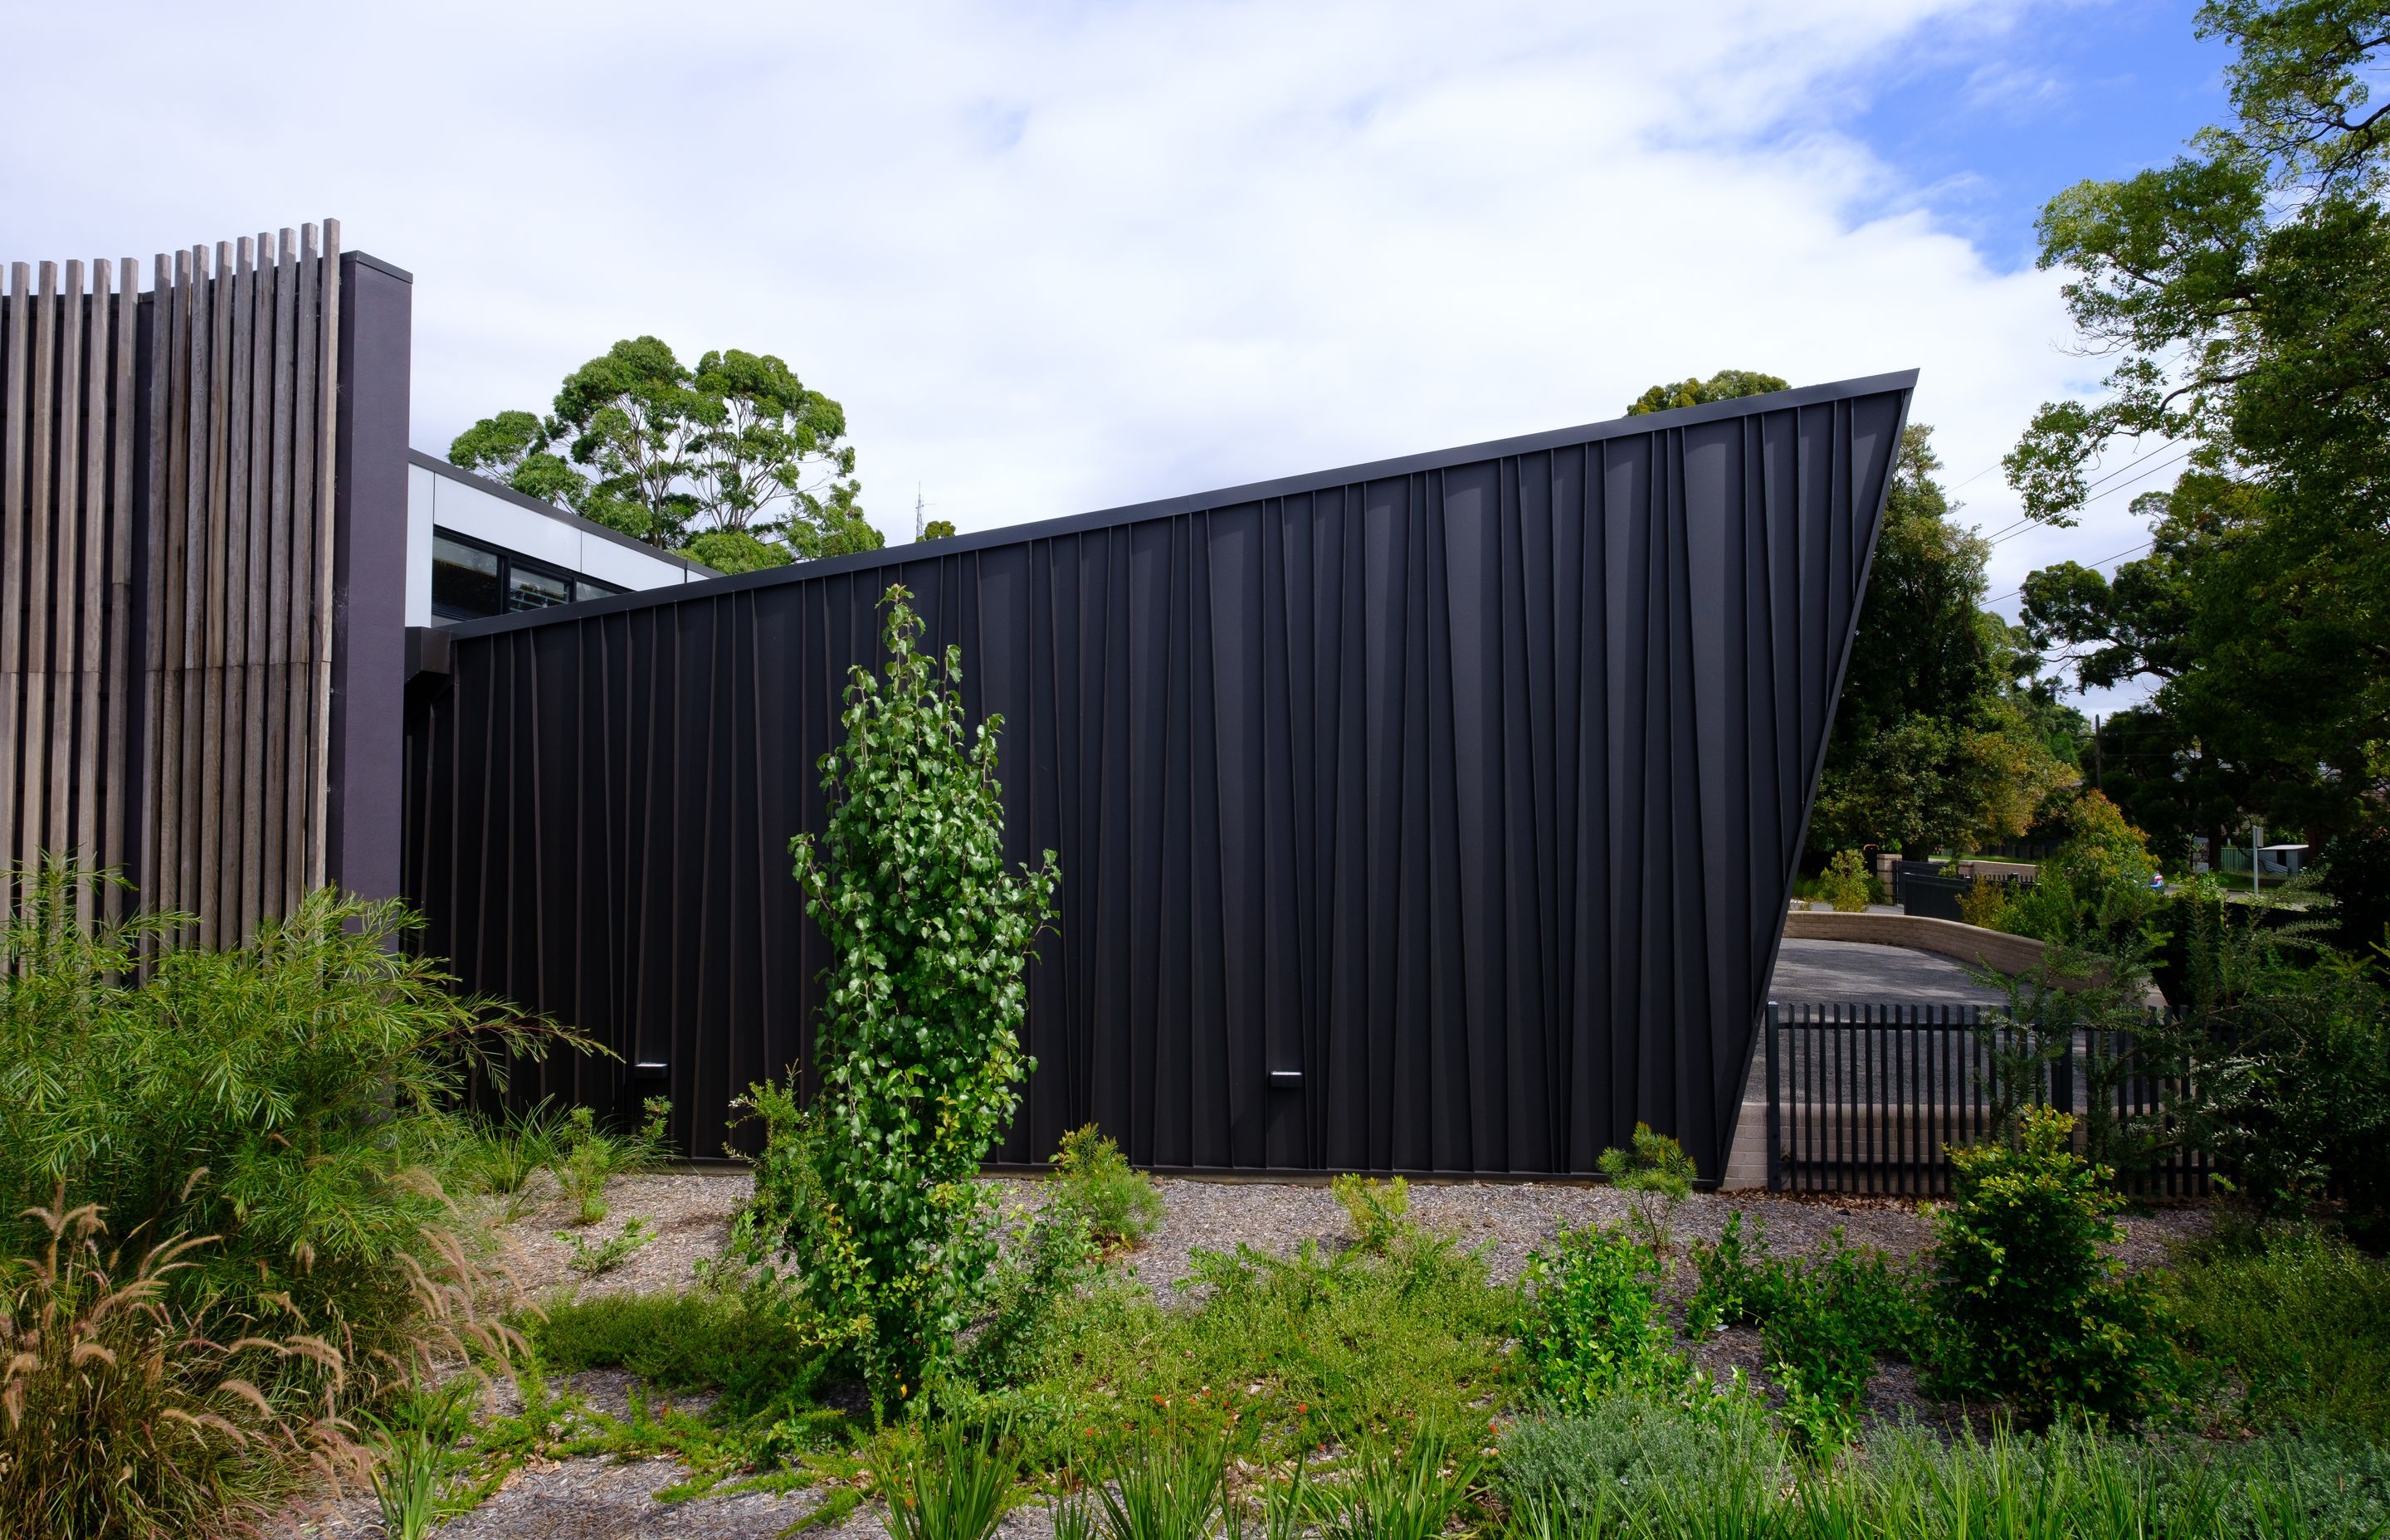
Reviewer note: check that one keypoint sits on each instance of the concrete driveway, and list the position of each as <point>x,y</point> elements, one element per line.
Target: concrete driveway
<point>1835,972</point>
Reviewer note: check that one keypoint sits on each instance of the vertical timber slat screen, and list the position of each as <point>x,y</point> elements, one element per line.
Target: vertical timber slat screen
<point>1437,815</point>
<point>166,541</point>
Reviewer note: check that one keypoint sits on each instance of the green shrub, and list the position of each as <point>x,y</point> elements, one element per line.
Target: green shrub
<point>122,1413</point>
<point>589,1157</point>
<point>1283,1354</point>
<point>1592,1323</point>
<point>2289,1042</point>
<point>1844,884</point>
<point>1824,1321</point>
<point>1379,1211</point>
<point>1612,1457</point>
<point>2303,1319</point>
<point>286,1097</point>
<point>2033,1311</point>
<point>1656,1175</point>
<point>1119,1203</point>
<point>877,1205</point>
<point>703,1339</point>
<point>1047,1262</point>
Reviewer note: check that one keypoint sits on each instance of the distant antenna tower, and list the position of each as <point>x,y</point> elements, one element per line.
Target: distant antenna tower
<point>918,507</point>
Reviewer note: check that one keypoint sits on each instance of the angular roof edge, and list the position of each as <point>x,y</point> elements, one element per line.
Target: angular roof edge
<point>1130,513</point>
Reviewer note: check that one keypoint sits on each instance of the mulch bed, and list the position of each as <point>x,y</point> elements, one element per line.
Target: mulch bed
<point>598,1499</point>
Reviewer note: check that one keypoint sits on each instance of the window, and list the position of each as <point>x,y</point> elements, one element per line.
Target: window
<point>471,581</point>
<point>465,581</point>
<point>530,587</point>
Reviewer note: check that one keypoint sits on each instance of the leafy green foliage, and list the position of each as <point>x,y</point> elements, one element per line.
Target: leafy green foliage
<point>589,1157</point>
<point>287,1096</point>
<point>422,1478</point>
<point>736,460</point>
<point>1592,1324</point>
<point>760,1358</point>
<point>2289,1043</point>
<point>1036,1276</point>
<point>938,528</point>
<point>1940,737</point>
<point>1119,1203</point>
<point>1657,1176</point>
<point>1284,1353</point>
<point>2240,292</point>
<point>732,551</point>
<point>2302,1318</point>
<point>1844,884</point>
<point>1379,1211</point>
<point>871,1192</point>
<point>1825,1321</point>
<point>1586,1471</point>
<point>1725,385</point>
<point>597,1261</point>
<point>123,1413</point>
<point>2033,1311</point>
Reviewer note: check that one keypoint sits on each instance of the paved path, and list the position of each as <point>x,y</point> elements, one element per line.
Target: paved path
<point>1834,971</point>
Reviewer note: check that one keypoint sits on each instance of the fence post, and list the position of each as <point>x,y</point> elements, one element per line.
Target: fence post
<point>1774,1126</point>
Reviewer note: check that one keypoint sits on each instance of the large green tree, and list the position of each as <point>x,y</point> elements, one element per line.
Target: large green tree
<point>2244,294</point>
<point>736,462</point>
<point>1941,737</point>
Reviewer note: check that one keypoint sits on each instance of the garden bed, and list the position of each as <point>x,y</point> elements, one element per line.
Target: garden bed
<point>690,1212</point>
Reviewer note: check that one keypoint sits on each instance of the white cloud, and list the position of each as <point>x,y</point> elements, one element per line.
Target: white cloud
<point>1062,256</point>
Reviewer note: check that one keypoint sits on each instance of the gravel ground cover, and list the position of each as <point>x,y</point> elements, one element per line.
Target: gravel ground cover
<point>598,1499</point>
<point>691,1213</point>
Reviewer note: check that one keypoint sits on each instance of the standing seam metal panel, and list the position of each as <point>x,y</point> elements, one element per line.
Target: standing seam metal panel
<point>1469,788</point>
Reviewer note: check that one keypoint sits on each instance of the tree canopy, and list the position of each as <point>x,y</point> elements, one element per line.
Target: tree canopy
<point>1725,385</point>
<point>1942,737</point>
<point>2242,292</point>
<point>736,462</point>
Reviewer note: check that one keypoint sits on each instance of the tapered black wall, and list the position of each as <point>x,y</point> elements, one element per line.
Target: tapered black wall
<point>1434,816</point>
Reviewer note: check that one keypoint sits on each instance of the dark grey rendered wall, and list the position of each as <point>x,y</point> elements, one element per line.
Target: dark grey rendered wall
<point>1432,816</point>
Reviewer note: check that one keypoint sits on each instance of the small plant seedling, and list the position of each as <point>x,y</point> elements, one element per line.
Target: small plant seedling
<point>589,1158</point>
<point>1657,1176</point>
<point>1379,1210</point>
<point>597,1261</point>
<point>1120,1203</point>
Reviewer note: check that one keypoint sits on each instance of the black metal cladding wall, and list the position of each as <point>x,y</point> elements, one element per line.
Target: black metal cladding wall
<point>1434,815</point>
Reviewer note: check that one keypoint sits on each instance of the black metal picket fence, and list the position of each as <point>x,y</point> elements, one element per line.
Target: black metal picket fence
<point>1870,1098</point>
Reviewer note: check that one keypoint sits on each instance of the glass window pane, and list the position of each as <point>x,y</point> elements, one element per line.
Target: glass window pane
<point>590,588</point>
<point>531,588</point>
<point>464,580</point>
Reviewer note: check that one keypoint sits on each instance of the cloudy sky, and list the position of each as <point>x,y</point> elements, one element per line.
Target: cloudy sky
<point>1055,257</point>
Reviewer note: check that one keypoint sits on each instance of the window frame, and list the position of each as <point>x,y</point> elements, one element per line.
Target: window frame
<point>576,582</point>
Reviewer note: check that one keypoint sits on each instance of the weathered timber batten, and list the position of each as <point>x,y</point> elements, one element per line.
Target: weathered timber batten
<point>174,656</point>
